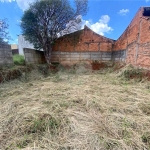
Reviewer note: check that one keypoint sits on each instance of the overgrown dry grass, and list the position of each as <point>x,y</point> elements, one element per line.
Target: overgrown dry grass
<point>75,111</point>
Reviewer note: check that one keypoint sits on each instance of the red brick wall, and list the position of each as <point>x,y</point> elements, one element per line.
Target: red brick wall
<point>144,30</point>
<point>130,34</point>
<point>136,40</point>
<point>83,41</point>
<point>143,59</point>
<point>131,53</point>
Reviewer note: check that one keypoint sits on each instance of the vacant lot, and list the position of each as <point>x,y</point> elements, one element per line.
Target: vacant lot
<point>75,111</point>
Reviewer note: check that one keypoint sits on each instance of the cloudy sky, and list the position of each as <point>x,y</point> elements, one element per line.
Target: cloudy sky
<point>106,17</point>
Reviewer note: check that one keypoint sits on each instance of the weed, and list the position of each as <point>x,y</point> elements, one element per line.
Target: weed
<point>22,143</point>
<point>44,70</point>
<point>125,123</point>
<point>60,67</point>
<point>43,123</point>
<point>146,138</point>
<point>110,144</point>
<point>132,73</point>
<point>57,77</point>
<point>18,59</point>
<point>145,108</point>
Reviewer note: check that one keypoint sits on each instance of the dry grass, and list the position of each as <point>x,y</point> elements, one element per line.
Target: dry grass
<point>75,111</point>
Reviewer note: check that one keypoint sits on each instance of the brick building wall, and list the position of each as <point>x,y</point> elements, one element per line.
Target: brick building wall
<point>132,47</point>
<point>136,40</point>
<point>82,45</point>
<point>83,40</point>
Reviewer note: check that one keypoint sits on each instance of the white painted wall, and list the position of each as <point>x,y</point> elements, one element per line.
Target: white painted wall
<point>22,43</point>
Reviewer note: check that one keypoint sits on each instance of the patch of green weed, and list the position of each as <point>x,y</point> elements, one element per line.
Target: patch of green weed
<point>18,59</point>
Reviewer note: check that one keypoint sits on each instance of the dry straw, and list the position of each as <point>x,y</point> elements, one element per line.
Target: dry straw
<point>75,111</point>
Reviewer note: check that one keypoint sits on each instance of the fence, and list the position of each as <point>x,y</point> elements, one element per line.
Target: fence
<point>5,55</point>
<point>34,56</point>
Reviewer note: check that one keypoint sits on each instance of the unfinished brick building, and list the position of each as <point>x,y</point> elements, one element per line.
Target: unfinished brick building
<point>133,46</point>
<point>136,39</point>
<point>82,45</point>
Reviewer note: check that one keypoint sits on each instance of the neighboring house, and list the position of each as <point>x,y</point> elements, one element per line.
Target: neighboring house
<point>14,48</point>
<point>132,47</point>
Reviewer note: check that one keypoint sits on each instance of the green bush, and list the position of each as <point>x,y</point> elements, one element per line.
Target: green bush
<point>18,59</point>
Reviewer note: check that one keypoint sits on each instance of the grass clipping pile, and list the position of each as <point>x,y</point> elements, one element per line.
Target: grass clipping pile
<point>71,110</point>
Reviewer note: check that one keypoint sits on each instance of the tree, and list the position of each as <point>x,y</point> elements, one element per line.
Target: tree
<point>4,37</point>
<point>45,19</point>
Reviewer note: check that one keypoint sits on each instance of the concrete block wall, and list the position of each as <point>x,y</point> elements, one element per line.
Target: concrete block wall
<point>34,56</point>
<point>5,55</point>
<point>119,56</point>
<point>80,56</point>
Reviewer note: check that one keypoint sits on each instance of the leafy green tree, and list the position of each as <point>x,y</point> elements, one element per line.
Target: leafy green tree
<point>45,19</point>
<point>4,37</point>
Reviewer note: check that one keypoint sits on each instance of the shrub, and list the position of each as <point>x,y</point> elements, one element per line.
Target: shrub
<point>129,72</point>
<point>44,70</point>
<point>18,59</point>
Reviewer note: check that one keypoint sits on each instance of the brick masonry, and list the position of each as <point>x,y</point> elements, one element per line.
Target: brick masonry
<point>136,40</point>
<point>83,41</point>
<point>132,47</point>
<point>83,45</point>
<point>5,55</point>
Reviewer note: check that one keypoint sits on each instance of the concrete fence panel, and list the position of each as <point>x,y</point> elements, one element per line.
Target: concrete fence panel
<point>5,55</point>
<point>34,56</point>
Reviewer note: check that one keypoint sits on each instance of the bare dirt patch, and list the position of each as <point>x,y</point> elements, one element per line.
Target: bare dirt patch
<point>72,110</point>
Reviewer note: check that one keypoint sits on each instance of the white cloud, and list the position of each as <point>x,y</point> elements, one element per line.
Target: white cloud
<point>23,4</point>
<point>101,27</point>
<point>19,21</point>
<point>6,0</point>
<point>123,12</point>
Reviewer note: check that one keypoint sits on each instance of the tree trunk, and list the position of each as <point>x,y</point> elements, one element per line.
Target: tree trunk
<point>47,53</point>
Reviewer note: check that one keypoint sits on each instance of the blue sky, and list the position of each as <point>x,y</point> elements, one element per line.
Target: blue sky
<point>106,17</point>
